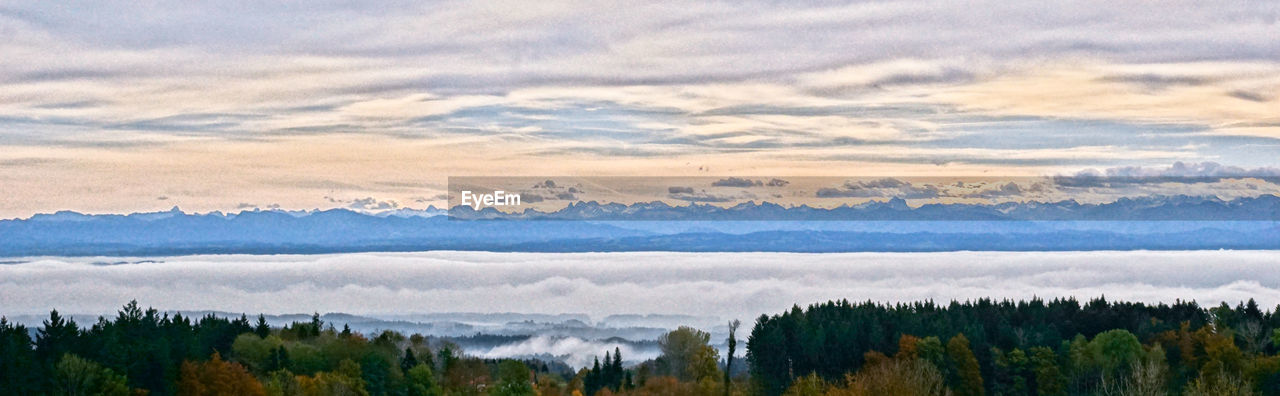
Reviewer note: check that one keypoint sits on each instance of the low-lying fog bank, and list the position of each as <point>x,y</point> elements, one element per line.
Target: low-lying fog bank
<point>719,286</point>
<point>572,304</point>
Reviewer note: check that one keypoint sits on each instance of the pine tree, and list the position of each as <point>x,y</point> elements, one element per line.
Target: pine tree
<point>262,329</point>
<point>615,369</point>
<point>592,382</point>
<point>447,358</point>
<point>58,336</point>
<point>408,361</point>
<point>316,325</point>
<point>427,359</point>
<point>16,358</point>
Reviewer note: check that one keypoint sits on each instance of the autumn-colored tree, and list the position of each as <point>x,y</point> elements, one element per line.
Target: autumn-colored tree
<point>1181,341</point>
<point>282,383</point>
<point>966,374</point>
<point>1219,384</point>
<point>345,381</point>
<point>687,354</point>
<point>550,385</point>
<point>897,377</point>
<point>217,377</point>
<point>873,358</point>
<point>662,386</point>
<point>809,385</point>
<point>1223,361</point>
<point>908,347</point>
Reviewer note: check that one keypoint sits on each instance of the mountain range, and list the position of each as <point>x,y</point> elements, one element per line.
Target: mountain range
<point>1178,222</point>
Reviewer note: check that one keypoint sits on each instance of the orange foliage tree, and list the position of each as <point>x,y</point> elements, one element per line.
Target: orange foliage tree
<point>217,377</point>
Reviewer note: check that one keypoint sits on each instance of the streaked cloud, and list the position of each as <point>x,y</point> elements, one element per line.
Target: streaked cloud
<point>149,98</point>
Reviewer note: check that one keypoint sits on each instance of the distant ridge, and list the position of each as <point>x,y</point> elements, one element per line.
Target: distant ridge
<point>1169,223</point>
<point>1150,208</point>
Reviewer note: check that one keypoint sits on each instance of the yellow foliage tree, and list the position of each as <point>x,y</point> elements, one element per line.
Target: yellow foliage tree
<point>897,377</point>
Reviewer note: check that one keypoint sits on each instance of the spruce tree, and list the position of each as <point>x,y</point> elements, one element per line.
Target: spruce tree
<point>262,329</point>
<point>408,361</point>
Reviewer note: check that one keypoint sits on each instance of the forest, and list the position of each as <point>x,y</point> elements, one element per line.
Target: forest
<point>982,347</point>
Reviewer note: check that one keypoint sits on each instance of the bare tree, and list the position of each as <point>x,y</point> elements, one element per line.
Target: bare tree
<point>1223,384</point>
<point>1147,377</point>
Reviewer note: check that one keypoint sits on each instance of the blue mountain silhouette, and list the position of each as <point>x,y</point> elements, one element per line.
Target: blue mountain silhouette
<point>1178,222</point>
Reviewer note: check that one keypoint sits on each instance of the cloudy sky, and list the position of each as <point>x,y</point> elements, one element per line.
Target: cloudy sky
<point>128,106</point>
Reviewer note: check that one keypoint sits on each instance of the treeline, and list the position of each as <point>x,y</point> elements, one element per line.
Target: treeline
<point>141,351</point>
<point>1036,347</point>
<point>984,347</point>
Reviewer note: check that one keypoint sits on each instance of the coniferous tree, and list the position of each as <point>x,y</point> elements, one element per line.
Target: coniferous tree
<point>375,370</point>
<point>316,324</point>
<point>17,360</point>
<point>409,361</point>
<point>57,337</point>
<point>615,369</point>
<point>592,382</point>
<point>447,357</point>
<point>262,329</point>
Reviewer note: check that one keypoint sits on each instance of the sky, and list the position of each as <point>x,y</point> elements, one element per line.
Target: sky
<point>112,106</point>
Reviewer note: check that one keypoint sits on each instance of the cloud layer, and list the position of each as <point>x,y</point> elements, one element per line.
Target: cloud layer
<point>723,285</point>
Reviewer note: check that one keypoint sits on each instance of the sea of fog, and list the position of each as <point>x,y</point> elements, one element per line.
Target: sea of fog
<point>597,290</point>
<point>720,285</point>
